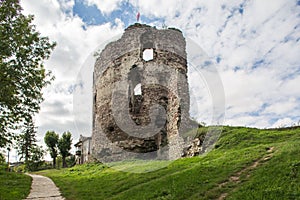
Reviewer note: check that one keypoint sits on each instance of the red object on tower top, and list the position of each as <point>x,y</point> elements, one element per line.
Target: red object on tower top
<point>138,16</point>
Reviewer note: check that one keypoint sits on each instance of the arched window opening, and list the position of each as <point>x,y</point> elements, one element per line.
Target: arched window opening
<point>148,54</point>
<point>135,89</point>
<point>138,89</point>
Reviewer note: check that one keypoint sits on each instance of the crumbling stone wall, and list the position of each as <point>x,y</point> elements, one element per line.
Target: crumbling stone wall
<point>146,125</point>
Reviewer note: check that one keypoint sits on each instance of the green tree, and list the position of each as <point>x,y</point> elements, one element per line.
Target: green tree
<point>64,146</point>
<point>71,160</point>
<point>36,160</point>
<point>22,73</point>
<point>3,165</point>
<point>59,161</point>
<point>28,149</point>
<point>51,140</point>
<point>26,142</point>
<point>2,159</point>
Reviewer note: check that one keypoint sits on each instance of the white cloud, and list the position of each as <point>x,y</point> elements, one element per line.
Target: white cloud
<point>283,122</point>
<point>260,12</point>
<point>105,6</point>
<point>249,121</point>
<point>290,87</point>
<point>75,42</point>
<point>257,52</point>
<point>282,107</point>
<point>66,5</point>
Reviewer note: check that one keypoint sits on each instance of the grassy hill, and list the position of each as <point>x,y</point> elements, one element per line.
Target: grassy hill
<point>246,163</point>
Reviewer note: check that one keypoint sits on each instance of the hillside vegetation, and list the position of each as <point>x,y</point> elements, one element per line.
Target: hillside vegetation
<point>246,163</point>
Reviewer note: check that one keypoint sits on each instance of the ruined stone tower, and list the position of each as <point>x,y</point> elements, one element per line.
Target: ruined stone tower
<point>141,97</point>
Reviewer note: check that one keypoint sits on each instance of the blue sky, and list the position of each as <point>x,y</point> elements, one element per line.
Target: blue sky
<point>254,45</point>
<point>126,12</point>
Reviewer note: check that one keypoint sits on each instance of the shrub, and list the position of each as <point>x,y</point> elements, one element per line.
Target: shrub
<point>20,168</point>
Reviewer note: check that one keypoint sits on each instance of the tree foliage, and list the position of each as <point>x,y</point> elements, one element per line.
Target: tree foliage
<point>71,160</point>
<point>51,140</point>
<point>28,149</point>
<point>2,158</point>
<point>27,141</point>
<point>36,159</point>
<point>22,73</point>
<point>64,146</point>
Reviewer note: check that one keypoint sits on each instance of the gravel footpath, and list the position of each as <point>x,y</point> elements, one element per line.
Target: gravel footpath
<point>43,188</point>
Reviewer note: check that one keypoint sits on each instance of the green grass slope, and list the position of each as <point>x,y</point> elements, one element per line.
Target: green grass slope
<point>14,186</point>
<point>246,163</point>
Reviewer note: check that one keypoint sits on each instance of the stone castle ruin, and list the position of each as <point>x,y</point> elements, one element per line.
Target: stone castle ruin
<point>141,96</point>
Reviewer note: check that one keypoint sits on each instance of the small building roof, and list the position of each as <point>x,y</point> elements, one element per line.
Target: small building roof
<point>81,140</point>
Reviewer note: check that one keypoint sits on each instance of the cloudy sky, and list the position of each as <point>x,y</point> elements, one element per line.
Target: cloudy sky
<point>254,45</point>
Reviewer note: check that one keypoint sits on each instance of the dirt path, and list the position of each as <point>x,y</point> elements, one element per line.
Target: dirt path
<point>236,177</point>
<point>43,188</point>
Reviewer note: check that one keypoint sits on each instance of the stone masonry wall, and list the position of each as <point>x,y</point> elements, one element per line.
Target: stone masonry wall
<point>146,125</point>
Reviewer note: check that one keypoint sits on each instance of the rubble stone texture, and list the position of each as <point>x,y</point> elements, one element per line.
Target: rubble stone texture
<point>148,124</point>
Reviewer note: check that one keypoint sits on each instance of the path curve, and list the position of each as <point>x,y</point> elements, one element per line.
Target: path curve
<point>43,188</point>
